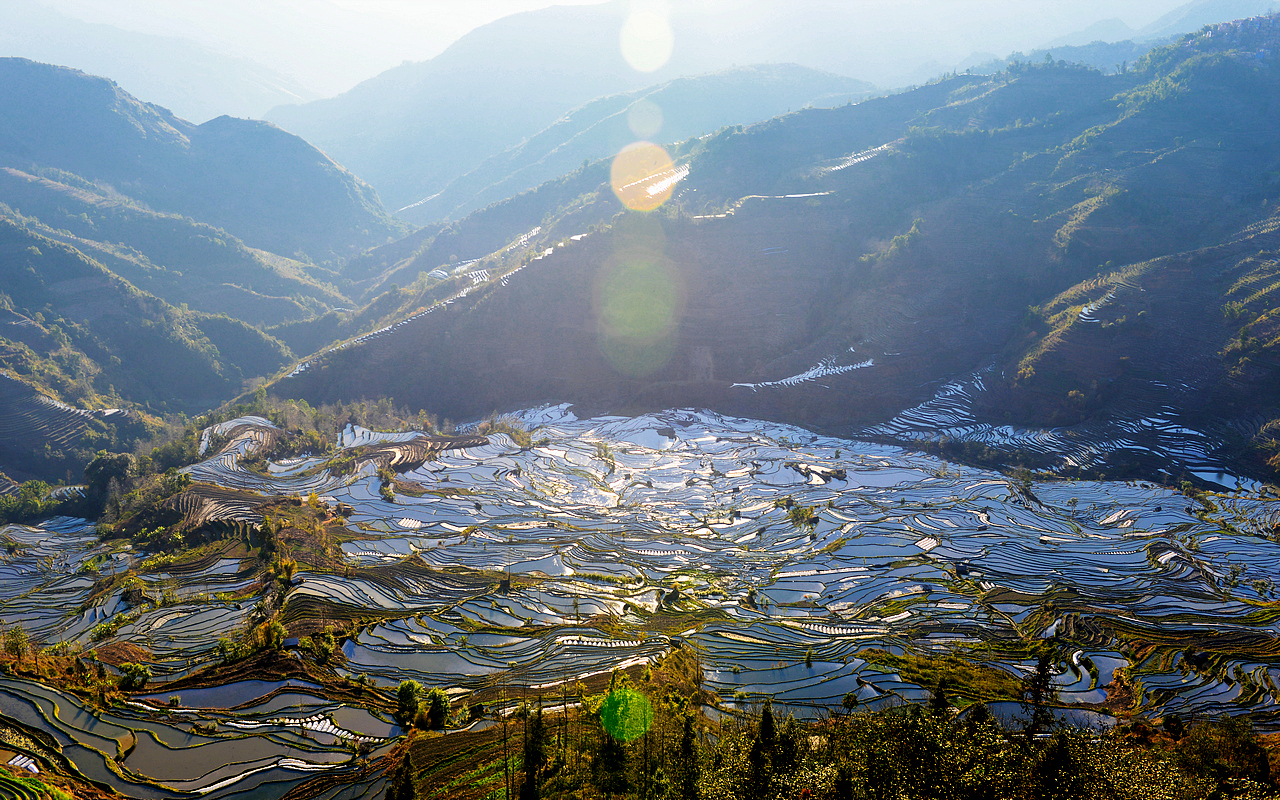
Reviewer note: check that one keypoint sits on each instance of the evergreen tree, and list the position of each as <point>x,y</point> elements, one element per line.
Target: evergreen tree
<point>1037,696</point>
<point>401,787</point>
<point>535,754</point>
<point>610,766</point>
<point>768,730</point>
<point>760,757</point>
<point>689,771</point>
<point>939,703</point>
<point>1057,775</point>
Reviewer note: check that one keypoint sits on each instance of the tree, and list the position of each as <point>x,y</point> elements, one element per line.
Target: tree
<point>535,755</point>
<point>16,642</point>
<point>407,698</point>
<point>939,703</point>
<point>760,757</point>
<point>850,701</point>
<point>1224,750</point>
<point>401,787</point>
<point>1059,772</point>
<point>273,635</point>
<point>688,764</point>
<point>610,766</point>
<point>106,467</point>
<point>134,676</point>
<point>1038,694</point>
<point>437,703</point>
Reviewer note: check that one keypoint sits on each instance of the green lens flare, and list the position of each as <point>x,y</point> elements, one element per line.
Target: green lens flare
<point>626,714</point>
<point>637,313</point>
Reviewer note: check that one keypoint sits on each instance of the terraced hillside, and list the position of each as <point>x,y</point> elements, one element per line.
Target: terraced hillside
<point>835,267</point>
<point>792,565</point>
<point>31,421</point>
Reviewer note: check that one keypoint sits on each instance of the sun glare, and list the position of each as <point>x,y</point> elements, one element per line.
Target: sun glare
<point>646,38</point>
<point>643,176</point>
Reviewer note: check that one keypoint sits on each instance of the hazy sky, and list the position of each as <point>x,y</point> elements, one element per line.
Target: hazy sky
<point>330,45</point>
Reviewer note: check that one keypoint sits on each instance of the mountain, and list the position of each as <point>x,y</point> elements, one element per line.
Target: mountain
<point>268,187</point>
<point>141,255</point>
<point>84,335</point>
<point>1102,56</point>
<point>414,128</point>
<point>1195,15</point>
<point>669,112</point>
<point>835,266</point>
<point>1106,30</point>
<point>195,82</point>
<point>170,256</point>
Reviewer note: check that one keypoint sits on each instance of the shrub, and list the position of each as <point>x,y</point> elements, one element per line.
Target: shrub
<point>134,676</point>
<point>408,698</point>
<point>437,704</point>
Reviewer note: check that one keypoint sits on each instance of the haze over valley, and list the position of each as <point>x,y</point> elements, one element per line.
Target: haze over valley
<point>630,399</point>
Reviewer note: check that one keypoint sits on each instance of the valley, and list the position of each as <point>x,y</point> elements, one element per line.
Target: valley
<point>938,420</point>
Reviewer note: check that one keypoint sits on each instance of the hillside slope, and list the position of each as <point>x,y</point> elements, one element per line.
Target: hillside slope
<point>268,187</point>
<point>835,266</point>
<point>669,112</point>
<point>84,335</point>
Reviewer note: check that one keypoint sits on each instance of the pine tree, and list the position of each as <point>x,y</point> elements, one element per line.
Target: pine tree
<point>535,754</point>
<point>610,766</point>
<point>760,757</point>
<point>939,703</point>
<point>1037,696</point>
<point>402,779</point>
<point>689,772</point>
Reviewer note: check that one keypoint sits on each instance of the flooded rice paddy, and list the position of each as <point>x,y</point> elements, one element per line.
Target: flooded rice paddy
<point>609,521</point>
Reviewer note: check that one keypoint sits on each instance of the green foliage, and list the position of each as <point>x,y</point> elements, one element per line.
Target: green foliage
<point>31,501</point>
<point>508,425</point>
<point>229,651</point>
<point>437,708</point>
<point>16,642</point>
<point>134,677</point>
<point>1222,751</point>
<point>802,516</point>
<point>273,635</point>
<point>408,696</point>
<point>1038,695</point>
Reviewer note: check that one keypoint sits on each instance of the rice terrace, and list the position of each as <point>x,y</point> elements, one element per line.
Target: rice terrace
<point>693,401</point>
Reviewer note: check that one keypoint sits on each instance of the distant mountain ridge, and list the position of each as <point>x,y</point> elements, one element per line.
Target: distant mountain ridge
<point>412,129</point>
<point>194,82</point>
<point>266,186</point>
<point>139,252</point>
<point>676,110</point>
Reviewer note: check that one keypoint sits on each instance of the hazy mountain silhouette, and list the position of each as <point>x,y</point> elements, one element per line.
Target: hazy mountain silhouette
<point>194,82</point>
<point>266,186</point>
<point>669,112</point>
<point>1197,14</point>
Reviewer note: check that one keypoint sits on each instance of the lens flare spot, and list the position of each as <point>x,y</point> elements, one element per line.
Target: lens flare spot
<point>626,714</point>
<point>638,304</point>
<point>643,176</point>
<point>644,117</point>
<point>646,38</point>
